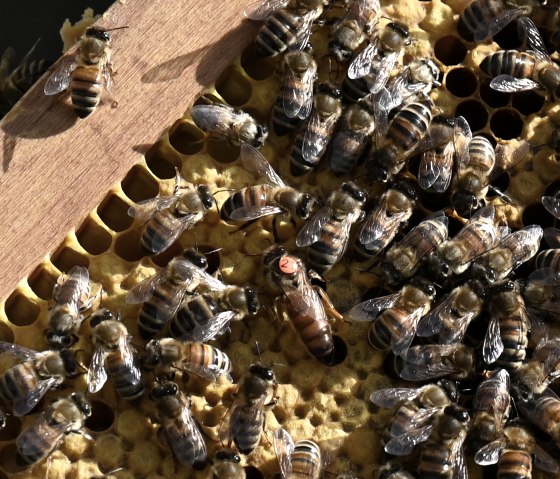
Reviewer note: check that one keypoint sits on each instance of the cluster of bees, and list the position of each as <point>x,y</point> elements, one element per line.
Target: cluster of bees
<point>461,317</point>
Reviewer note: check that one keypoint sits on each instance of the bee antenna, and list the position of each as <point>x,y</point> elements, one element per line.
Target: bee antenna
<point>116,28</point>
<point>331,69</point>
<point>229,190</point>
<point>258,350</point>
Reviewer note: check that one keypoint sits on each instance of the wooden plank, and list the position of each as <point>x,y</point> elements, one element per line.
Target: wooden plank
<point>56,168</point>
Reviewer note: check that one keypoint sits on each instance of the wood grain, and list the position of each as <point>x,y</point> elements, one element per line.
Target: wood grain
<point>56,168</point>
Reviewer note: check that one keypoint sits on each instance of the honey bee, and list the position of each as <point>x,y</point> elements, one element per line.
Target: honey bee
<point>376,61</point>
<point>162,293</point>
<point>246,417</point>
<point>407,128</point>
<point>351,139</point>
<point>169,216</point>
<point>393,470</point>
<point>71,296</point>
<point>414,420</point>
<point>46,432</point>
<point>298,460</point>
<point>543,411</point>
<point>396,326</point>
<point>482,19</point>
<point>535,375</point>
<point>208,314</point>
<point>306,305</point>
<point>514,452</point>
<point>88,74</point>
<point>515,71</point>
<point>226,465</point>
<point>24,384</point>
<point>451,317</point>
<point>114,357</point>
<point>479,234</point>
<point>169,355</point>
<point>352,29</point>
<point>506,338</point>
<point>550,258</point>
<point>382,224</point>
<point>295,97</point>
<point>491,407</point>
<point>314,134</point>
<point>272,198</point>
<point>541,292</point>
<point>181,430</point>
<point>473,171</point>
<point>433,361</point>
<point>443,456</point>
<point>327,233</point>
<point>403,259</point>
<point>234,125</point>
<point>513,250</point>
<point>287,24</point>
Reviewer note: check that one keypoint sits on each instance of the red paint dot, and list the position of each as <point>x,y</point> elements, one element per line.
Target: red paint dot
<point>288,265</point>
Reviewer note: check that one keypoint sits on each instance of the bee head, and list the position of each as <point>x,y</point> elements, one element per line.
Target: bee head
<point>329,89</point>
<point>101,315</point>
<point>252,300</point>
<point>152,354</point>
<point>465,203</point>
<point>376,167</point>
<point>399,28</point>
<point>408,188</point>
<point>98,34</point>
<point>273,253</point>
<point>81,403</point>
<point>424,285</point>
<point>205,196</point>
<point>503,287</point>
<point>339,50</point>
<point>260,137</point>
<point>391,274</point>
<point>57,340</point>
<point>352,189</point>
<point>437,267</point>
<point>227,455</point>
<point>168,388</point>
<point>305,206</point>
<point>262,372</point>
<point>450,387</point>
<point>457,412</point>
<point>70,364</point>
<point>196,258</point>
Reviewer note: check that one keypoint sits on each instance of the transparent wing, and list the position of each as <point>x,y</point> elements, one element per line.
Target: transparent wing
<point>134,374</point>
<point>544,461</point>
<point>254,213</point>
<point>486,30</point>
<point>60,78</point>
<point>430,324</point>
<point>383,71</point>
<point>509,84</point>
<point>428,362</point>
<point>144,289</point>
<point>303,31</point>
<point>529,33</point>
<point>436,169</point>
<point>311,231</point>
<point>380,225</point>
<point>27,400</point>
<point>255,163</point>
<point>147,208</point>
<point>17,351</point>
<point>215,327</point>
<point>48,431</point>
<point>361,64</point>
<point>261,9</point>
<point>175,228</point>
<point>313,145</point>
<point>390,397</point>
<point>404,444</point>
<point>490,453</point>
<point>283,446</point>
<point>462,137</point>
<point>370,309</point>
<point>299,102</point>
<point>215,118</point>
<point>552,205</point>
<point>401,341</point>
<point>493,345</point>
<point>97,375</point>
<point>460,463</point>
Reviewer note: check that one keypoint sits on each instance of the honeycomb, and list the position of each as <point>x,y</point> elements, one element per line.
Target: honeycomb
<point>314,401</point>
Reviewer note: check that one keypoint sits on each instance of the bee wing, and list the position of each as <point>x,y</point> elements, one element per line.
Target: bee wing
<point>510,84</point>
<point>431,323</point>
<point>544,461</point>
<point>214,118</point>
<point>462,137</point>
<point>390,397</point>
<point>147,208</point>
<point>27,400</point>
<point>145,288</point>
<point>552,237</point>
<point>420,367</point>
<point>192,431</point>
<point>435,174</point>
<point>80,295</point>
<point>385,67</point>
<point>50,432</point>
<point>529,33</point>
<point>399,345</point>
<point>313,145</point>
<point>552,205</point>
<point>283,447</point>
<point>97,375</point>
<point>486,30</point>
<point>176,227</point>
<point>255,163</point>
<point>214,327</point>
<point>361,64</point>
<point>261,9</point>
<point>134,374</point>
<point>404,444</point>
<point>210,372</point>
<point>60,78</point>
<point>303,32</point>
<point>493,345</point>
<point>460,463</point>
<point>254,213</point>
<point>311,231</point>
<point>378,224</point>
<point>490,453</point>
<point>190,271</point>
<point>523,244</point>
<point>17,351</point>
<point>370,309</point>
<point>299,102</point>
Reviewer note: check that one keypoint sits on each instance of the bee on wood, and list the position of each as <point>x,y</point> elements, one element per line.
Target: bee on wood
<point>88,74</point>
<point>169,216</point>
<point>114,357</point>
<point>232,124</point>
<point>36,373</point>
<point>181,430</point>
<point>46,432</point>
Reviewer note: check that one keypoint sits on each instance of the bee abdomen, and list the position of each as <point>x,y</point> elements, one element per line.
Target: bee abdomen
<point>276,33</point>
<point>194,314</point>
<point>283,124</point>
<point>128,381</point>
<point>410,125</point>
<point>246,429</point>
<point>387,326</point>
<point>85,88</point>
<point>354,90</point>
<point>255,196</point>
<point>322,254</point>
<point>514,465</point>
<point>22,377</point>
<point>299,165</point>
<point>306,460</point>
<point>38,445</point>
<point>435,463</point>
<point>509,62</point>
<point>514,337</point>
<point>157,230</point>
<point>205,355</point>
<point>316,334</point>
<point>186,446</point>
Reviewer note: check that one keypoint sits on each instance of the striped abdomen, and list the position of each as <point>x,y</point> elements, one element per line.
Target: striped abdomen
<point>246,424</point>
<point>354,89</point>
<point>282,123</point>
<point>278,32</point>
<point>38,440</point>
<point>85,89</point>
<point>128,381</point>
<point>17,380</point>
<point>509,62</point>
<point>544,412</point>
<point>513,330</point>
<point>253,196</point>
<point>196,313</point>
<point>549,258</point>
<point>514,464</point>
<point>436,462</point>
<point>316,131</point>
<point>481,154</point>
<point>478,15</point>
<point>347,147</point>
<point>306,460</point>
<point>325,252</point>
<point>204,355</point>
<point>312,326</point>
<point>403,420</point>
<point>391,323</point>
<point>186,441</point>
<point>158,231</point>
<point>410,125</point>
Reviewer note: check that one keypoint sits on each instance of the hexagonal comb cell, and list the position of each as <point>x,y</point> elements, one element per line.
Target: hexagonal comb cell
<point>254,65</point>
<point>527,102</point>
<point>138,185</point>
<point>42,281</point>
<point>65,257</point>
<point>162,160</point>
<point>492,97</point>
<point>20,310</point>
<point>233,87</point>
<point>102,417</point>
<point>93,237</point>
<point>113,212</point>
<point>506,124</point>
<point>462,82</point>
<point>474,113</point>
<point>449,50</point>
<point>185,138</point>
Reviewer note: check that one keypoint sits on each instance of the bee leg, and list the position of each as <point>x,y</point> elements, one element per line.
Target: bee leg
<point>244,225</point>
<point>275,230</point>
<point>329,306</point>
